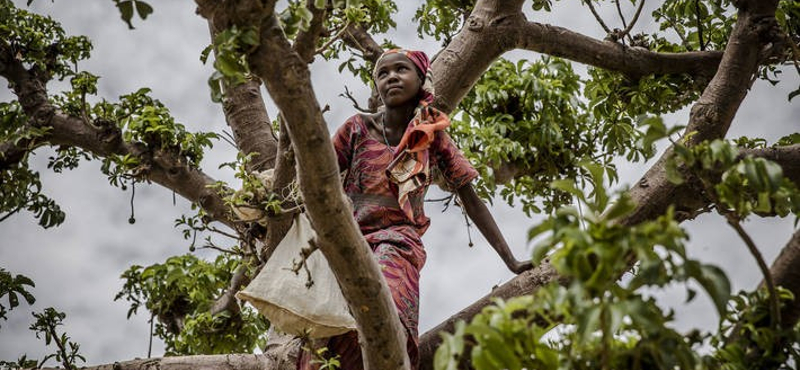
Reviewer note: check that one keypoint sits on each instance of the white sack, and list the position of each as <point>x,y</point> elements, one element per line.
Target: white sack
<point>282,296</point>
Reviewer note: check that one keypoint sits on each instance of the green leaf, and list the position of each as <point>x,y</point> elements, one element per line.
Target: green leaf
<point>714,281</point>
<point>793,94</point>
<point>126,11</point>
<point>144,9</point>
<point>623,206</point>
<point>567,186</point>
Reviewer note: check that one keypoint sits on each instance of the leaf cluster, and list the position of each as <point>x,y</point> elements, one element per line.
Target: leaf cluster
<point>701,25</point>
<point>180,293</point>
<point>624,105</point>
<point>127,8</point>
<point>759,346</point>
<point>230,48</point>
<point>737,185</point>
<point>21,187</point>
<point>39,42</point>
<point>14,287</point>
<point>67,352</point>
<point>603,324</point>
<point>147,121</point>
<point>442,19</point>
<point>526,116</point>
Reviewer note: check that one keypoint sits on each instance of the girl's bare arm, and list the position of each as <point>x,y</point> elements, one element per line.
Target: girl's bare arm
<point>480,215</point>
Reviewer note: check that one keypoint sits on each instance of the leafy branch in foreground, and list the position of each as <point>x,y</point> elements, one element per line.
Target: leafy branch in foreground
<point>66,351</point>
<point>180,293</point>
<point>593,322</point>
<point>14,287</point>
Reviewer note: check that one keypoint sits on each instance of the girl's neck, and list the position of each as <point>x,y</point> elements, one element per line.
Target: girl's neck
<point>398,117</point>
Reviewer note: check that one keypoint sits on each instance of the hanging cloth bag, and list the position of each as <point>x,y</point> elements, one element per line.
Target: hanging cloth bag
<point>296,303</point>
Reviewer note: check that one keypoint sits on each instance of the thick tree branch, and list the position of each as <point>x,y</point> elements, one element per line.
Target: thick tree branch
<point>357,37</point>
<point>483,38</point>
<point>634,62</point>
<point>228,12</point>
<point>285,174</point>
<point>305,43</point>
<point>205,362</point>
<point>247,116</point>
<point>243,104</point>
<point>288,81</point>
<point>785,272</point>
<point>164,168</point>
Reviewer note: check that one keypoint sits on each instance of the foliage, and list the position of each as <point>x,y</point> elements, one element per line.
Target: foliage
<point>737,185</point>
<point>442,18</point>
<point>20,187</point>
<point>763,347</point>
<point>603,324</point>
<point>524,118</point>
<point>127,7</point>
<point>14,287</point>
<point>66,351</point>
<point>40,42</point>
<point>180,293</point>
<point>230,47</point>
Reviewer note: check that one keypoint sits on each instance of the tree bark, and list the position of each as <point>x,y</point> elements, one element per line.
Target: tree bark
<point>785,273</point>
<point>634,62</point>
<point>288,81</point>
<point>203,362</point>
<point>483,38</point>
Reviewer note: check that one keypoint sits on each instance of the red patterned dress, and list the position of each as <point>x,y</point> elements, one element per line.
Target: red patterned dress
<point>394,237</point>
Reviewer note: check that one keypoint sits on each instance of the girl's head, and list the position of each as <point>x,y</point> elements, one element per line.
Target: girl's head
<point>403,77</point>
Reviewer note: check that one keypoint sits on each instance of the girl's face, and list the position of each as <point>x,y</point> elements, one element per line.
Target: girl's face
<point>397,80</point>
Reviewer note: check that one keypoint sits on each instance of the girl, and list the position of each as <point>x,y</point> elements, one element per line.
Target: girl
<point>390,157</point>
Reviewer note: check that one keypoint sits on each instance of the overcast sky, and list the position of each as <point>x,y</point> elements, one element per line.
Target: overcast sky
<point>77,265</point>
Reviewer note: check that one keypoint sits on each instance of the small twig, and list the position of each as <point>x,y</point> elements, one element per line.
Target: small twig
<point>699,25</point>
<point>633,21</point>
<point>150,345</point>
<point>10,214</point>
<point>795,52</point>
<point>347,94</point>
<point>445,199</point>
<point>775,317</point>
<point>333,39</point>
<point>672,25</point>
<point>60,345</point>
<point>223,233</point>
<point>469,227</point>
<point>304,254</point>
<point>621,16</point>
<point>597,16</point>
<point>211,245</point>
<point>228,137</point>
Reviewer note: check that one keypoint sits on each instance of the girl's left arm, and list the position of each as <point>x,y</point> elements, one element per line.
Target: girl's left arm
<point>480,215</point>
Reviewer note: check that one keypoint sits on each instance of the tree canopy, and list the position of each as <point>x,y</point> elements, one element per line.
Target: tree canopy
<point>548,128</point>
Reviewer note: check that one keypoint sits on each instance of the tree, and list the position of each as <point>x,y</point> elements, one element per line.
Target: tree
<point>515,138</point>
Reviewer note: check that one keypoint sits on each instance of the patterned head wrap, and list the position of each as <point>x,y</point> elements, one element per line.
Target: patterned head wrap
<point>420,60</point>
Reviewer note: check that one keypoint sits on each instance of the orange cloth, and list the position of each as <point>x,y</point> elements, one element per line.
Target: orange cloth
<point>410,169</point>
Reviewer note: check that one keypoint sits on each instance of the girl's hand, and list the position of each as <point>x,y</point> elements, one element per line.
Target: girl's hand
<point>518,267</point>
